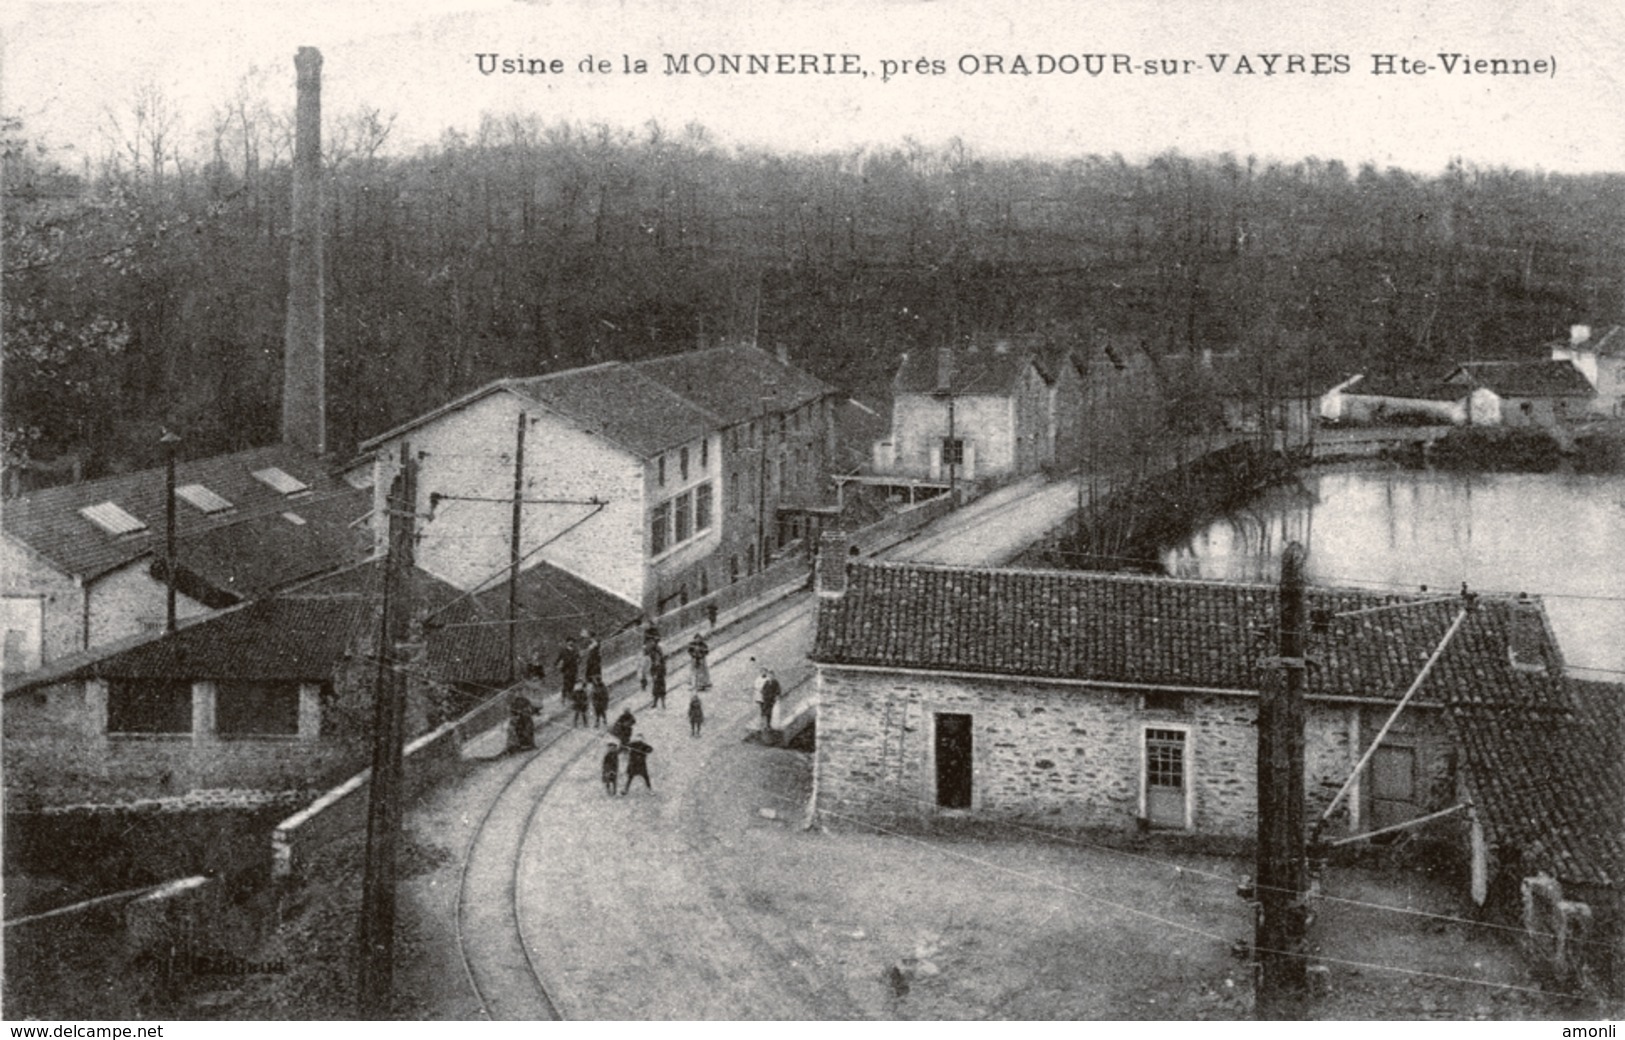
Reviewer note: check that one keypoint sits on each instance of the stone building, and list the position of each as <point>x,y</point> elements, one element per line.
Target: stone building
<point>273,695</point>
<point>656,482</point>
<point>1107,701</point>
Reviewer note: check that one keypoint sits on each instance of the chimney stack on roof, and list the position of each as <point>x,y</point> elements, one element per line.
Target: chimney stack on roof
<point>1579,334</point>
<point>304,391</point>
<point>835,551</point>
<point>1527,645</point>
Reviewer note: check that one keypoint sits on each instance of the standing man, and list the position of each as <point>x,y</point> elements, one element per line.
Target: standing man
<point>593,666</point>
<point>770,697</point>
<point>657,678</point>
<point>637,764</point>
<point>600,705</point>
<point>568,662</point>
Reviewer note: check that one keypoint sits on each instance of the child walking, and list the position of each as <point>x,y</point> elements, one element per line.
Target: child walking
<point>696,715</point>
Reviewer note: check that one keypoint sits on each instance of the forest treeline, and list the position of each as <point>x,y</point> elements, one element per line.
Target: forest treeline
<point>147,289</point>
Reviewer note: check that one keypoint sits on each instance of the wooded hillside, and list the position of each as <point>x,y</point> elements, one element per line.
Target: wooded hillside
<point>148,289</point>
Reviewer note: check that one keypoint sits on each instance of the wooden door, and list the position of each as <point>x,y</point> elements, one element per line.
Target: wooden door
<point>953,746</point>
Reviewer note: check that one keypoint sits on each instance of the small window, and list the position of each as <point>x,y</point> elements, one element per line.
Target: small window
<point>733,569</point>
<point>203,498</point>
<point>294,519</point>
<point>953,451</point>
<point>660,472</point>
<point>280,480</point>
<point>685,518</point>
<point>112,519</point>
<point>659,528</point>
<point>149,706</point>
<point>257,709</point>
<point>702,507</point>
<point>705,454</point>
<point>682,464</point>
<point>732,490</point>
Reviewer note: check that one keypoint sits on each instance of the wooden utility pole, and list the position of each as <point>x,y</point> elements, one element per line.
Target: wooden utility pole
<point>1283,978</point>
<point>513,546</point>
<point>169,440</point>
<point>375,973</point>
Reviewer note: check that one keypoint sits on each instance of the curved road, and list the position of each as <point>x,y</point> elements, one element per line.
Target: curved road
<point>580,905</point>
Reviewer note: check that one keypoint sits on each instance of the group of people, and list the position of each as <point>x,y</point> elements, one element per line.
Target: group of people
<point>637,752</point>
<point>581,676</point>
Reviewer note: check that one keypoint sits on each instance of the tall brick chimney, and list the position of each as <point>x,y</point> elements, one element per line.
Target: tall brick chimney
<point>304,361</point>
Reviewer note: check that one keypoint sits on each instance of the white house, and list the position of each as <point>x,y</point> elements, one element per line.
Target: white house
<point>628,484</point>
<point>1601,359</point>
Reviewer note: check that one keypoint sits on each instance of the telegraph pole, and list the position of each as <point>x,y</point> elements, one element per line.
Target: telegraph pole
<point>375,973</point>
<point>169,440</point>
<point>1283,978</point>
<point>513,545</point>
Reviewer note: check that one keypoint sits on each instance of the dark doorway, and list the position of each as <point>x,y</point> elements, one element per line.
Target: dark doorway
<point>953,761</point>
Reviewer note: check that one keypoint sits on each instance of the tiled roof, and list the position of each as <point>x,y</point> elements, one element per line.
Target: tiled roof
<point>1527,378</point>
<point>735,383</point>
<point>978,371</point>
<point>1115,628</point>
<point>49,522</point>
<point>622,405</point>
<point>1549,782</point>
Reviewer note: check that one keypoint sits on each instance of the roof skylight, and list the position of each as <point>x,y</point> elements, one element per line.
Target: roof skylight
<point>203,498</point>
<point>280,480</point>
<point>112,519</point>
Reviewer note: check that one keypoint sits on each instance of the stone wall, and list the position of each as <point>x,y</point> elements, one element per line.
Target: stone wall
<point>1071,755</point>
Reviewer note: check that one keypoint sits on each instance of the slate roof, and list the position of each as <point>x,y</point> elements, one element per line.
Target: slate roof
<point>554,605</point>
<point>1526,378</point>
<point>282,638</point>
<point>975,371</point>
<point>622,405</point>
<point>48,521</point>
<point>648,407</point>
<point>1116,628</point>
<point>1549,780</point>
<point>1414,388</point>
<point>305,637</point>
<point>731,381</point>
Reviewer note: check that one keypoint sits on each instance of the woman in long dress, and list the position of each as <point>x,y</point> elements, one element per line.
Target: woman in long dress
<point>698,651</point>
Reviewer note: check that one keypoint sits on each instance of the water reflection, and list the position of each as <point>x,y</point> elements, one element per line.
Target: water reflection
<point>1558,535</point>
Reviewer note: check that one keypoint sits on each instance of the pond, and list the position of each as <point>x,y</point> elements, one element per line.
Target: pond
<point>1559,536</point>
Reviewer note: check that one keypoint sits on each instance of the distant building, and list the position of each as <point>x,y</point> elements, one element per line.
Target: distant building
<point>1416,401</point>
<point>989,411</point>
<point>83,564</point>
<point>1600,357</point>
<point>657,482</point>
<point>1525,393</point>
